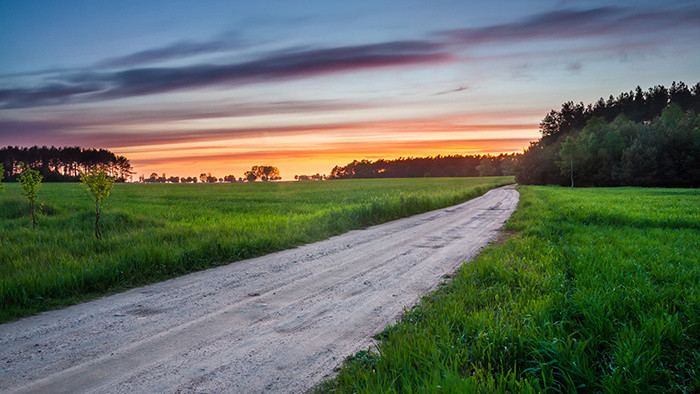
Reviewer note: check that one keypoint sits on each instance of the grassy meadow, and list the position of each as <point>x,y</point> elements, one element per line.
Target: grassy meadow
<point>594,290</point>
<point>157,231</point>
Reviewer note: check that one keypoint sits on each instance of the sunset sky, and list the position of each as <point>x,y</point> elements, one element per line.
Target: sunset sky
<point>185,87</point>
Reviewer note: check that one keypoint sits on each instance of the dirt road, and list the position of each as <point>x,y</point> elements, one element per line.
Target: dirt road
<point>279,323</point>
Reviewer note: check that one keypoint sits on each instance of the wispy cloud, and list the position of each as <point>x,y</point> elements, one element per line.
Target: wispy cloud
<point>336,149</point>
<point>178,50</point>
<point>291,65</point>
<point>62,124</point>
<point>572,23</point>
<point>48,94</point>
<point>143,81</point>
<point>454,90</point>
<point>629,27</point>
<point>225,42</point>
<point>175,51</point>
<point>86,133</point>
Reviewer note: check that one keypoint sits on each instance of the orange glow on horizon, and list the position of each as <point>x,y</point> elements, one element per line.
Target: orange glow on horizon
<point>312,161</point>
<point>312,149</point>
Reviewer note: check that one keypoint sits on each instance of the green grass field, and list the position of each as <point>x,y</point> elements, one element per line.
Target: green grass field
<point>594,290</point>
<point>153,232</point>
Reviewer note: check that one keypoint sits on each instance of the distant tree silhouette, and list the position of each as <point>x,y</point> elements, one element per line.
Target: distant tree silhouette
<point>63,164</point>
<point>153,178</point>
<point>264,173</point>
<point>418,167</point>
<point>316,177</point>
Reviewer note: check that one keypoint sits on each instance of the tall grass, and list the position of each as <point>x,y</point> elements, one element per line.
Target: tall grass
<point>153,232</point>
<point>596,290</point>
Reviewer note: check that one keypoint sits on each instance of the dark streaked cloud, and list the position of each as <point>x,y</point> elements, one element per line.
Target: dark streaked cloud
<point>49,94</point>
<point>42,72</point>
<point>574,67</point>
<point>99,83</point>
<point>455,90</point>
<point>143,81</point>
<point>175,51</point>
<point>30,132</point>
<point>178,50</point>
<point>74,120</point>
<point>387,150</point>
<point>298,64</point>
<point>81,132</point>
<point>572,23</point>
<point>554,24</point>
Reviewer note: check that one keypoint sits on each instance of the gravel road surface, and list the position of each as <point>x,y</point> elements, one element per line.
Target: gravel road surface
<point>280,323</point>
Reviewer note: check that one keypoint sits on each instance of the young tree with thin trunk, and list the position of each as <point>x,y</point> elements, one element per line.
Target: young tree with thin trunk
<point>570,155</point>
<point>2,175</point>
<point>99,185</point>
<point>30,180</point>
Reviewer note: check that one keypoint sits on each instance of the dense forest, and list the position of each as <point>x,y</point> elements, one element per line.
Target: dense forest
<point>63,164</point>
<point>640,138</point>
<point>418,167</point>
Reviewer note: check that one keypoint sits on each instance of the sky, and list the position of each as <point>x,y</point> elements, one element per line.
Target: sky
<point>185,87</point>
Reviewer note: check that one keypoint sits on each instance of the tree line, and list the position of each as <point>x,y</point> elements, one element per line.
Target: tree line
<point>63,164</point>
<point>263,173</point>
<point>437,166</point>
<point>315,177</point>
<point>640,138</point>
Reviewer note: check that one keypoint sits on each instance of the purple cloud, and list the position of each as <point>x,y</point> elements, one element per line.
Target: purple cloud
<point>298,64</point>
<point>78,86</point>
<point>64,124</point>
<point>143,81</point>
<point>179,50</point>
<point>570,23</point>
<point>49,94</point>
<point>174,51</point>
<point>63,132</point>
